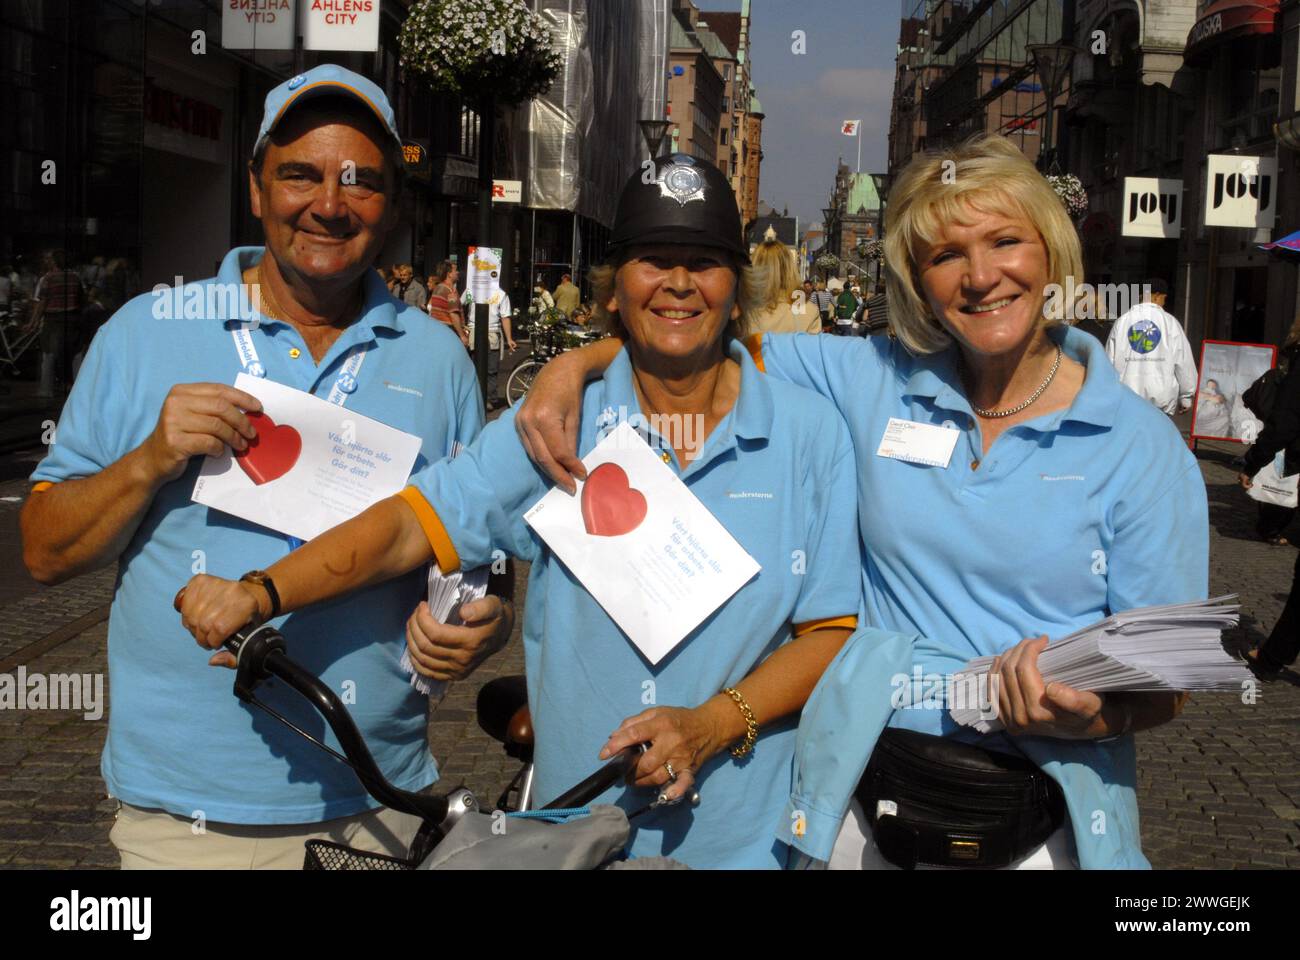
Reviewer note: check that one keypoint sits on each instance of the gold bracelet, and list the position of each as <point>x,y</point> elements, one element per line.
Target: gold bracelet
<point>751,724</point>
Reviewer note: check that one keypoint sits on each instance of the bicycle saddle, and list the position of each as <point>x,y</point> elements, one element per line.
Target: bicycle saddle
<point>502,709</point>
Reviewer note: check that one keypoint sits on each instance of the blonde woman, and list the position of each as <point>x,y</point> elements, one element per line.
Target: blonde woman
<point>783,305</point>
<point>1034,496</point>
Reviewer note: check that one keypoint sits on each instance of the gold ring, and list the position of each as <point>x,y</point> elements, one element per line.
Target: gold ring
<point>672,774</point>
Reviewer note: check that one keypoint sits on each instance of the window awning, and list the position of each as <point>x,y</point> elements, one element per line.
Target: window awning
<point>1227,19</point>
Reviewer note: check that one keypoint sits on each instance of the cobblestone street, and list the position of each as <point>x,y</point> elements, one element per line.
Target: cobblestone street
<point>1220,787</point>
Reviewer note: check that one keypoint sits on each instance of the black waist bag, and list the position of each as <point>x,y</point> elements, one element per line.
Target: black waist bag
<point>938,801</point>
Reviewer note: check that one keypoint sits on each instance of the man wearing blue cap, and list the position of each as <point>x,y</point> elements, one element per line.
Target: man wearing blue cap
<point>203,780</point>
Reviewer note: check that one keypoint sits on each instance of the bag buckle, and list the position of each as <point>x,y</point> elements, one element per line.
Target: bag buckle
<point>964,848</point>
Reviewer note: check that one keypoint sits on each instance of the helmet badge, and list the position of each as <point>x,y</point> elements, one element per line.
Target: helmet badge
<point>681,181</point>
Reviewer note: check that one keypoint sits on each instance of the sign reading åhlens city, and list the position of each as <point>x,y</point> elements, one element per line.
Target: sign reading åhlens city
<point>257,24</point>
<point>325,24</point>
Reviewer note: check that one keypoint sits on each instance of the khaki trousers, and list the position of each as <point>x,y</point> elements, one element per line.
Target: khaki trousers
<point>155,839</point>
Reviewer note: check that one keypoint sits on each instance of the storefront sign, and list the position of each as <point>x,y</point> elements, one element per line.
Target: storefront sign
<point>1152,207</point>
<point>1206,28</point>
<point>257,24</point>
<point>416,157</point>
<point>340,25</point>
<point>507,191</point>
<point>1240,191</point>
<point>185,121</point>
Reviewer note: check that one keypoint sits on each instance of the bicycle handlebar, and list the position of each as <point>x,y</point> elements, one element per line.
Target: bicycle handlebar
<point>260,654</point>
<point>616,769</point>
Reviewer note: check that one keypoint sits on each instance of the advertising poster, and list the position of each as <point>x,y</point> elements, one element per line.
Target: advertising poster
<point>1226,370</point>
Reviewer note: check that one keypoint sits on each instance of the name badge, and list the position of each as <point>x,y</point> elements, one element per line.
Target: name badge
<point>922,443</point>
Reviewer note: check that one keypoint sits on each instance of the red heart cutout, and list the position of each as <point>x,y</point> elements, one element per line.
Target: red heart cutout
<point>272,453</point>
<point>610,507</point>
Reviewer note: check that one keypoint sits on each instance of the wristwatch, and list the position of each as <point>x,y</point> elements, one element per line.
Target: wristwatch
<point>260,578</point>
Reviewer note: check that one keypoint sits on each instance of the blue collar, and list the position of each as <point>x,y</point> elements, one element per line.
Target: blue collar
<point>379,308</point>
<point>935,376</point>
<point>750,419</point>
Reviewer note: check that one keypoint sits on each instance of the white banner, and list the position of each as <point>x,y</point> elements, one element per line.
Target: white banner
<point>340,25</point>
<point>257,24</point>
<point>1152,207</point>
<point>1240,191</point>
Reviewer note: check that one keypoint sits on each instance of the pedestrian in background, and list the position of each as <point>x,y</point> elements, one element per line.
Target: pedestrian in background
<point>1273,518</point>
<point>846,309</point>
<point>500,339</point>
<point>822,298</point>
<point>1150,352</point>
<point>56,311</point>
<point>567,298</point>
<point>783,307</point>
<point>444,300</point>
<point>1281,433</point>
<point>409,290</point>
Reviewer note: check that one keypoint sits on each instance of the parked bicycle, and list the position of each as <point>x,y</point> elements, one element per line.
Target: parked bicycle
<point>546,341</point>
<point>16,335</point>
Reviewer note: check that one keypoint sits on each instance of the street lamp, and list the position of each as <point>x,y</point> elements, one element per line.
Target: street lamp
<point>654,132</point>
<point>828,217</point>
<point>882,182</point>
<point>1052,61</point>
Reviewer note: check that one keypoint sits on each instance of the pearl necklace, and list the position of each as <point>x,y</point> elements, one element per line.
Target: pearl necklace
<point>1051,374</point>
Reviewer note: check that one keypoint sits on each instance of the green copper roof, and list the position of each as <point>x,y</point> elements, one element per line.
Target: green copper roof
<point>712,44</point>
<point>677,38</point>
<point>862,194</point>
<point>754,105</point>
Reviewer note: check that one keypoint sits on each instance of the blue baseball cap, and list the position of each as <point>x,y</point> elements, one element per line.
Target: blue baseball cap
<point>328,79</point>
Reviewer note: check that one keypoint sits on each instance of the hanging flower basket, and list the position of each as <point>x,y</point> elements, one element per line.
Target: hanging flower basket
<point>827,261</point>
<point>871,249</point>
<point>1070,189</point>
<point>469,48</point>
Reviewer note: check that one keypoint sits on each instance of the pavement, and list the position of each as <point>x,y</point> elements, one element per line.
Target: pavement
<point>1218,788</point>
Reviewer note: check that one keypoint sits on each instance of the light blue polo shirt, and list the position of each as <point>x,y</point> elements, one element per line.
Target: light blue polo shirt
<point>777,472</point>
<point>178,739</point>
<point>1070,517</point>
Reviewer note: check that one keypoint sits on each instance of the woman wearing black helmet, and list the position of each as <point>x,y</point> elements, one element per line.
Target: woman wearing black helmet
<point>719,711</point>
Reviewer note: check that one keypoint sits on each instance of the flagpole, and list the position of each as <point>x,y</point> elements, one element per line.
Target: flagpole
<point>859,146</point>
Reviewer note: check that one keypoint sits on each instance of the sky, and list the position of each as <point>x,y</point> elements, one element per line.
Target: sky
<point>847,73</point>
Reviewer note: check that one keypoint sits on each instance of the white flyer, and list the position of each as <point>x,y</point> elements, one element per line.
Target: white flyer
<point>642,544</point>
<point>914,442</point>
<point>313,464</point>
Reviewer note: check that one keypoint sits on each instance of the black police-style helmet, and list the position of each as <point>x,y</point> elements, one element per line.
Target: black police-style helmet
<point>687,201</point>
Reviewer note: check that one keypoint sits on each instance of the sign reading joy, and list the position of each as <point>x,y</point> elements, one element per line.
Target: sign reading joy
<point>1240,191</point>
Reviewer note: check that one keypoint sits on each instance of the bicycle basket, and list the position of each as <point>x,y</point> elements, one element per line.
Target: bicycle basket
<point>327,855</point>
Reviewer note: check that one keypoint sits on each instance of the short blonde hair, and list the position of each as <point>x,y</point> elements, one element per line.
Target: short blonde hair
<point>776,263</point>
<point>984,174</point>
<point>749,295</point>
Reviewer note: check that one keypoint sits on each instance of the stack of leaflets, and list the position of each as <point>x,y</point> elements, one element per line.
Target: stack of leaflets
<point>447,592</point>
<point>1173,647</point>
